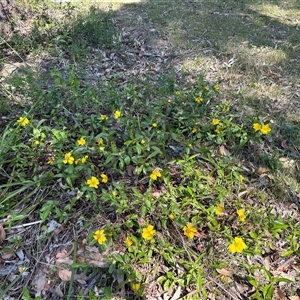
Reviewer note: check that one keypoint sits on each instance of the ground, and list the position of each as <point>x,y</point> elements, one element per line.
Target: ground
<point>150,150</point>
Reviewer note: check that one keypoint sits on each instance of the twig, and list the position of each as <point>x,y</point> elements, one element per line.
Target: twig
<point>222,288</point>
<point>73,271</point>
<point>26,225</point>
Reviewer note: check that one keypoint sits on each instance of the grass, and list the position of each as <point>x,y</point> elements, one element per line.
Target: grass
<point>149,149</point>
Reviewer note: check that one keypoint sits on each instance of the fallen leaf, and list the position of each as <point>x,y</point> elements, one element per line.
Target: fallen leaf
<point>64,275</point>
<point>2,234</point>
<point>176,295</point>
<point>280,294</point>
<point>294,298</point>
<point>262,170</point>
<point>224,272</point>
<point>284,144</point>
<point>223,151</point>
<point>62,253</point>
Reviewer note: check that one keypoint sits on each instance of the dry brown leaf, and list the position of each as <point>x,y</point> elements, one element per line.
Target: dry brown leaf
<point>284,144</point>
<point>223,151</point>
<point>62,253</point>
<point>294,298</point>
<point>64,275</point>
<point>262,170</point>
<point>224,272</point>
<point>2,234</point>
<point>280,294</point>
<point>6,256</point>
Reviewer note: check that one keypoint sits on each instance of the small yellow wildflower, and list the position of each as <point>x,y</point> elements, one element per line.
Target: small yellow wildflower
<point>101,148</point>
<point>171,216</point>
<point>189,230</point>
<point>84,159</point>
<point>36,143</point>
<point>143,142</point>
<point>177,93</point>
<point>241,178</point>
<point>93,182</point>
<point>241,215</point>
<point>128,241</point>
<point>215,121</point>
<point>117,114</point>
<point>136,287</point>
<point>69,159</point>
<point>99,236</point>
<point>206,88</point>
<point>104,178</point>
<point>155,173</point>
<point>218,129</point>
<point>51,161</point>
<point>23,121</point>
<point>256,126</point>
<point>219,209</point>
<point>194,130</point>
<point>169,100</point>
<point>104,117</point>
<point>198,99</point>
<point>265,129</point>
<point>148,232</point>
<point>114,193</point>
<point>237,246</point>
<point>81,141</point>
<point>154,125</point>
<point>216,87</point>
<point>100,142</point>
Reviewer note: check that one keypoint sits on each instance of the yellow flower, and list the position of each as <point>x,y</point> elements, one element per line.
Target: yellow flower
<point>216,87</point>
<point>256,126</point>
<point>93,182</point>
<point>215,121</point>
<point>23,121</point>
<point>104,178</point>
<point>194,130</point>
<point>169,100</point>
<point>114,193</point>
<point>81,141</point>
<point>51,161</point>
<point>84,159</point>
<point>154,125</point>
<point>218,129</point>
<point>206,88</point>
<point>99,236</point>
<point>148,232</point>
<point>155,173</point>
<point>198,100</point>
<point>241,178</point>
<point>189,230</point>
<point>104,117</point>
<point>177,93</point>
<point>265,129</point>
<point>69,159</point>
<point>136,287</point>
<point>219,209</point>
<point>171,216</point>
<point>241,215</point>
<point>36,143</point>
<point>100,142</point>
<point>101,148</point>
<point>128,241</point>
<point>143,142</point>
<point>237,246</point>
<point>117,114</point>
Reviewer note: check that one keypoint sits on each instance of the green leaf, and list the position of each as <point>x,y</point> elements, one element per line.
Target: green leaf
<point>287,253</point>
